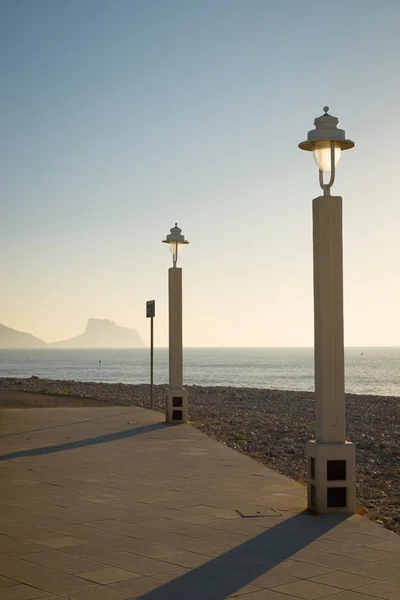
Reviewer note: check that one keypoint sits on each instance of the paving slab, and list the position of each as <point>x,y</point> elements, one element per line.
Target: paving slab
<point>111,503</point>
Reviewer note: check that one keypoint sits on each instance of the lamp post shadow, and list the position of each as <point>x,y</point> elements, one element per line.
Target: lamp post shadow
<point>242,565</point>
<point>94,441</point>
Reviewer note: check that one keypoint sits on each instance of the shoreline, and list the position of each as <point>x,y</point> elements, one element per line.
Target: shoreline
<point>273,427</point>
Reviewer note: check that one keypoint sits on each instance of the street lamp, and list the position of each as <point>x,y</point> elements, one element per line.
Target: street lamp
<point>331,459</point>
<point>176,400</point>
<point>326,142</point>
<point>175,240</point>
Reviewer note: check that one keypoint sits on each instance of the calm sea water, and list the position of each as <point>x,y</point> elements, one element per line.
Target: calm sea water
<point>368,370</point>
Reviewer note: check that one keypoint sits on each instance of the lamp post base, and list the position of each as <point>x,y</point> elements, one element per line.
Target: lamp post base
<point>176,406</point>
<point>331,481</point>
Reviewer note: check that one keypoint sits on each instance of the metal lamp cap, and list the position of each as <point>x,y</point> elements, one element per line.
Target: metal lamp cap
<point>176,236</point>
<point>326,129</point>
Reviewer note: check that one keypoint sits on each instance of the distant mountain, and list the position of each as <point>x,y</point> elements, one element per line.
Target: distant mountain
<point>102,333</point>
<point>11,338</point>
<point>99,333</point>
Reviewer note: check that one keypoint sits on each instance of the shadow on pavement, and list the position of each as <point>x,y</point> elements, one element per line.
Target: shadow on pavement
<point>226,574</point>
<point>100,439</point>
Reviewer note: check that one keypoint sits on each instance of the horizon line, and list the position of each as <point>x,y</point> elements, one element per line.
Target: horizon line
<point>190,347</point>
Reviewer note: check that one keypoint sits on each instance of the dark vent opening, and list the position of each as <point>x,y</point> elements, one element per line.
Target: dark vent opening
<point>177,415</point>
<point>336,470</point>
<point>337,497</point>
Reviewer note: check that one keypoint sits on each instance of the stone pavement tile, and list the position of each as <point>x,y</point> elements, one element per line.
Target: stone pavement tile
<point>389,590</point>
<point>374,570</point>
<point>163,537</point>
<point>20,592</point>
<point>200,582</point>
<point>221,513</point>
<point>50,597</point>
<point>171,575</point>
<point>393,561</point>
<point>197,519</point>
<point>123,559</point>
<point>301,570</point>
<point>91,549</point>
<point>41,521</point>
<point>368,527</point>
<point>362,552</point>
<point>309,590</point>
<point>119,527</point>
<point>348,595</point>
<point>220,588</point>
<point>226,569</point>
<point>272,578</point>
<point>161,524</point>
<point>204,546</point>
<point>10,563</point>
<point>357,538</point>
<point>78,515</point>
<point>388,546</point>
<point>62,584</point>
<point>138,587</point>
<point>227,537</point>
<point>47,557</point>
<point>137,514</point>
<point>5,581</point>
<point>152,566</point>
<point>107,575</point>
<point>149,587</point>
<point>244,591</point>
<point>16,530</point>
<point>99,593</point>
<point>71,565</point>
<point>85,533</point>
<point>325,559</point>
<point>13,547</point>
<point>171,508</point>
<point>162,550</point>
<point>189,530</point>
<point>136,563</point>
<point>267,595</point>
<point>247,527</point>
<point>87,550</point>
<point>60,541</point>
<point>345,581</point>
<point>30,572</point>
<point>187,559</point>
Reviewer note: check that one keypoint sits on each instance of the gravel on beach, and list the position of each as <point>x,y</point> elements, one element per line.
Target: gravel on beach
<point>273,427</point>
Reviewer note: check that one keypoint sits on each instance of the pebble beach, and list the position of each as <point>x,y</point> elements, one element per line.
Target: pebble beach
<point>271,426</point>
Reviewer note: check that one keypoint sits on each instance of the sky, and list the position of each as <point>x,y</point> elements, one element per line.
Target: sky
<point>119,118</point>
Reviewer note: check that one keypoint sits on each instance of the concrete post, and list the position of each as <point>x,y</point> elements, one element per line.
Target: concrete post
<point>331,460</point>
<point>176,401</point>
<point>328,319</point>
<point>175,327</point>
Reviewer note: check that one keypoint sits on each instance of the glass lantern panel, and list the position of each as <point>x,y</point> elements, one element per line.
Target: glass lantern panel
<point>322,155</point>
<point>175,247</point>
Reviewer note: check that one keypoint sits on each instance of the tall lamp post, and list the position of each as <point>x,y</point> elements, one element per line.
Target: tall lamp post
<point>331,459</point>
<point>176,400</point>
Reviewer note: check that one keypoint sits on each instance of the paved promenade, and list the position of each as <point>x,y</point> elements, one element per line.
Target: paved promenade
<point>112,504</point>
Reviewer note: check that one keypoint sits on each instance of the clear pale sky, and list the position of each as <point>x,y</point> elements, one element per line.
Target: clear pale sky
<point>119,118</point>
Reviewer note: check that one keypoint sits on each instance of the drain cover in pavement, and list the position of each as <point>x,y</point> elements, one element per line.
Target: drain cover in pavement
<point>251,513</point>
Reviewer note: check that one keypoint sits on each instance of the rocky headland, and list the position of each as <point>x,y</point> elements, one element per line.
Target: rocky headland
<point>99,333</point>
<point>273,426</point>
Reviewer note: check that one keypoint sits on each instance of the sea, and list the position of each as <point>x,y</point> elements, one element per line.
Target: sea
<point>368,370</point>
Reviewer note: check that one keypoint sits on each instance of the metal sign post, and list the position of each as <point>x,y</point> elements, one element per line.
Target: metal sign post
<point>150,313</point>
